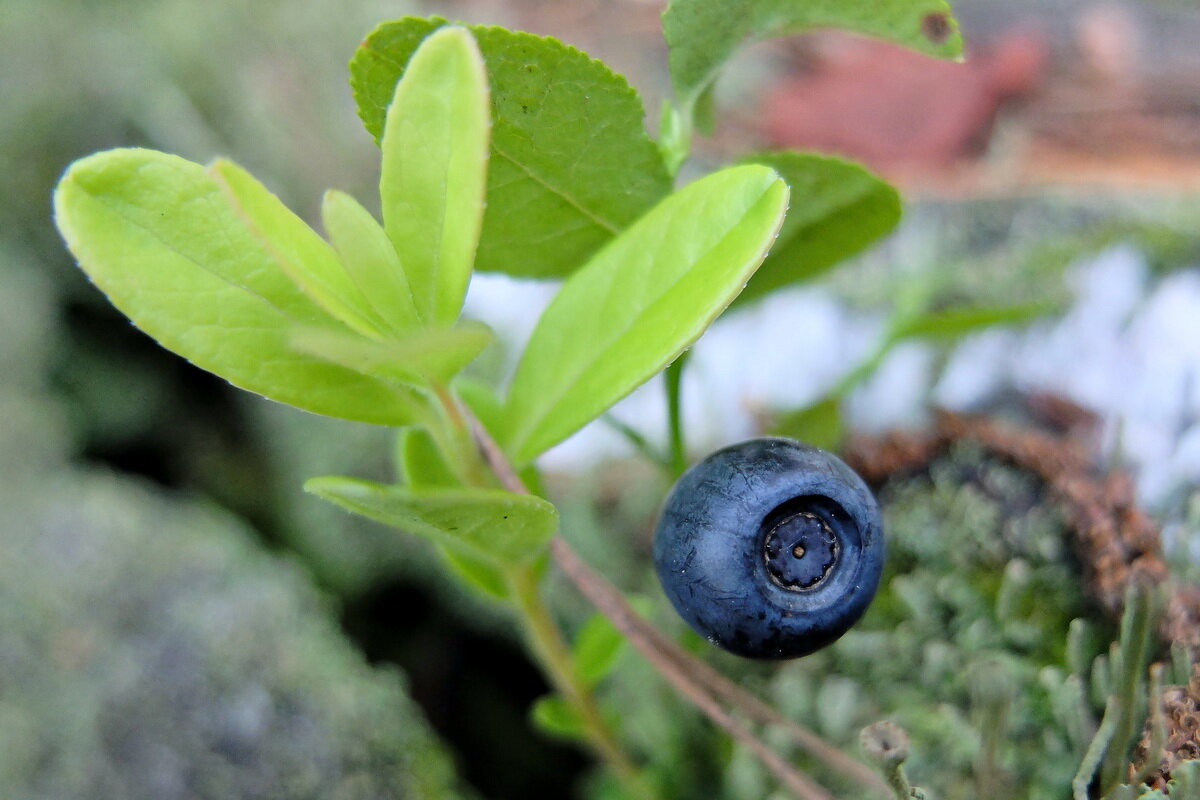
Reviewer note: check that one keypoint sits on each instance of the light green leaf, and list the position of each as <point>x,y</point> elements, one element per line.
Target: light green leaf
<point>703,34</point>
<point>838,208</point>
<point>640,302</point>
<point>421,461</point>
<point>370,259</point>
<point>159,236</point>
<point>819,424</point>
<point>488,407</point>
<point>502,528</point>
<point>477,573</point>
<point>435,157</point>
<point>430,355</point>
<point>571,164</point>
<point>483,400</point>
<point>598,645</point>
<point>553,715</point>
<point>306,258</point>
<point>954,323</point>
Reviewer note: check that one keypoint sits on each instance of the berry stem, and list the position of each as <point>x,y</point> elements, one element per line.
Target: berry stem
<point>699,683</point>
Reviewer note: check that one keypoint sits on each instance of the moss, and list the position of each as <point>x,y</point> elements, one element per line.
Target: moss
<point>966,644</point>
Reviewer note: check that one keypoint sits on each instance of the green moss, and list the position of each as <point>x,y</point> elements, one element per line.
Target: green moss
<point>965,646</point>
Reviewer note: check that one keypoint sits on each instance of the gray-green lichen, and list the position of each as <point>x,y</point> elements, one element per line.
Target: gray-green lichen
<point>149,650</point>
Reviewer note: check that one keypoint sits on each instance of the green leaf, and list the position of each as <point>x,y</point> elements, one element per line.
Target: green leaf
<point>477,573</point>
<point>158,235</point>
<point>598,645</point>
<point>431,355</point>
<point>421,461</point>
<point>435,156</point>
<point>703,34</point>
<point>954,323</point>
<point>819,424</point>
<point>306,258</point>
<point>370,259</point>
<point>488,407</point>
<point>641,302</point>
<point>571,164</point>
<point>838,208</point>
<point>484,401</point>
<point>501,528</point>
<point>553,715</point>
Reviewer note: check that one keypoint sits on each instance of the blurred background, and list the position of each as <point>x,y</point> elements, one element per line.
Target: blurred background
<point>177,619</point>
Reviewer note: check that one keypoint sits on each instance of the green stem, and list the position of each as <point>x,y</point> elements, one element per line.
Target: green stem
<point>544,634</point>
<point>456,441</point>
<point>678,449</point>
<point>554,653</point>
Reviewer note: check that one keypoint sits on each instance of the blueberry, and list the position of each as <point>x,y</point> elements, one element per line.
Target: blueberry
<point>770,548</point>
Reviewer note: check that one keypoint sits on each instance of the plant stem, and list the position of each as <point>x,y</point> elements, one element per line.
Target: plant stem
<point>555,655</point>
<point>544,634</point>
<point>457,440</point>
<point>674,381</point>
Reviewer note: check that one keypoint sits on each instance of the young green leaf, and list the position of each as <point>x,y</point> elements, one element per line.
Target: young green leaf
<point>571,164</point>
<point>306,258</point>
<point>553,715</point>
<point>838,209</point>
<point>703,34</point>
<point>598,645</point>
<point>956,322</point>
<point>433,354</point>
<point>421,460</point>
<point>476,572</point>
<point>640,302</point>
<point>370,259</point>
<point>158,235</point>
<point>488,407</point>
<point>435,157</point>
<point>501,528</point>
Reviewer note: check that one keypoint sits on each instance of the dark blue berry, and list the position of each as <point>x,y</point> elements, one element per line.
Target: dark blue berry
<point>770,548</point>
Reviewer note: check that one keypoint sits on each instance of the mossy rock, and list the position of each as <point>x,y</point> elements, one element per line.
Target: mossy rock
<point>149,649</point>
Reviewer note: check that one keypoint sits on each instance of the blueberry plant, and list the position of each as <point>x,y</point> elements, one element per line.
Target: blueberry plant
<point>508,152</point>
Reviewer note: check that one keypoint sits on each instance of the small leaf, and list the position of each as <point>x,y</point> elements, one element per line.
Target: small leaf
<point>159,236</point>
<point>598,645</point>
<point>819,424</point>
<point>640,303</point>
<point>432,355</point>
<point>484,401</point>
<point>306,258</point>
<point>370,259</point>
<point>953,323</point>
<point>553,715</point>
<point>477,573</point>
<point>838,208</point>
<point>435,156</point>
<point>501,528</point>
<point>571,164</point>
<point>421,461</point>
<point>703,34</point>
<point>488,407</point>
